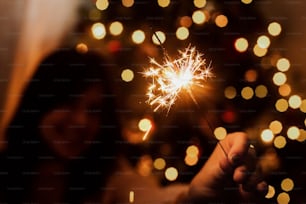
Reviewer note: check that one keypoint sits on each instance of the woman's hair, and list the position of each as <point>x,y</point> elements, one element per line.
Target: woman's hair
<point>59,79</point>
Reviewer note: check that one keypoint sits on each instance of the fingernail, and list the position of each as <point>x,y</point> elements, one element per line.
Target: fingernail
<point>235,159</point>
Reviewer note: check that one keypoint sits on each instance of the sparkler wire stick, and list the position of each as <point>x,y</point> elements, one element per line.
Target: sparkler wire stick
<point>171,82</point>
<point>219,142</point>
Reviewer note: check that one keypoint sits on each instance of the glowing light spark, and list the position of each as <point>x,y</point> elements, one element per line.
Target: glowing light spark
<point>172,77</point>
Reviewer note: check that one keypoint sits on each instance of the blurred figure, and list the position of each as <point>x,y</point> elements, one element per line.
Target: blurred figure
<point>63,146</point>
<point>62,138</point>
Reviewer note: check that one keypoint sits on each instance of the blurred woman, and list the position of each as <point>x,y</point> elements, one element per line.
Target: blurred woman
<point>62,138</point>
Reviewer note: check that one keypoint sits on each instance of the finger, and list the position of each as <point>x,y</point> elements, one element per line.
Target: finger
<point>262,188</point>
<point>246,168</point>
<point>254,178</point>
<point>238,147</point>
<point>257,196</point>
<point>240,174</point>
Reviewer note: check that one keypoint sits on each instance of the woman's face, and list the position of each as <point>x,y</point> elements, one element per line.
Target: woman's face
<point>69,129</point>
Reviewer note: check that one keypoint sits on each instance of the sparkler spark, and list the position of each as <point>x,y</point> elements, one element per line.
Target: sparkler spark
<point>172,77</point>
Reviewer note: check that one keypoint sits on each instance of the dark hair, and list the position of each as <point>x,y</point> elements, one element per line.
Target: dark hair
<point>60,78</point>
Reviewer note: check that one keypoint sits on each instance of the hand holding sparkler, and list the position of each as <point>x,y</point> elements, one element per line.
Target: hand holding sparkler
<point>231,179</point>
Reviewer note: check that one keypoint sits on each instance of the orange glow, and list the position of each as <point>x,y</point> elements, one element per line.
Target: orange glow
<point>221,21</point>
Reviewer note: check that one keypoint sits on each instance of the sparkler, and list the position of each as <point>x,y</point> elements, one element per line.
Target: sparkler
<point>173,77</point>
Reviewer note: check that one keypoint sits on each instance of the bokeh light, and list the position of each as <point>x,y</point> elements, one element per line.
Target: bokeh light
<point>283,198</point>
<point>199,3</point>
<point>276,127</point>
<point>220,133</point>
<point>186,21</point>
<point>198,17</point>
<point>127,3</point>
<point>192,153</point>
<point>302,137</point>
<point>261,91</point>
<point>158,38</point>
<point>163,3</point>
<point>303,106</point>
<point>138,36</point>
<point>280,142</point>
<point>127,75</point>
<point>247,93</point>
<point>98,31</point>
<point>281,105</point>
<point>279,78</point>
<point>102,4</point>
<point>241,44</point>
<point>182,33</point>
<point>221,21</point>
<point>116,28</point>
<point>192,150</point>
<point>171,174</point>
<point>263,41</point>
<point>259,52</point>
<point>246,1</point>
<point>283,64</point>
<point>250,75</point>
<point>145,124</point>
<point>287,184</point>
<point>230,92</point>
<point>82,48</point>
<point>159,163</point>
<point>274,29</point>
<point>284,90</point>
<point>293,132</point>
<point>295,101</point>
<point>267,135</point>
<point>271,192</point>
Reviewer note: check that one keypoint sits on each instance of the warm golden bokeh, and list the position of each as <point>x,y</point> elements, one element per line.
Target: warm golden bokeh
<point>163,3</point>
<point>220,133</point>
<point>171,174</point>
<point>247,93</point>
<point>159,37</point>
<point>274,29</point>
<point>138,36</point>
<point>182,33</point>
<point>128,3</point>
<point>116,28</point>
<point>199,3</point>
<point>221,21</point>
<point>230,92</point>
<point>267,135</point>
<point>261,91</point>
<point>98,31</point>
<point>259,52</point>
<point>283,198</point>
<point>281,105</point>
<point>198,17</point>
<point>102,4</point>
<point>283,64</point>
<point>159,163</point>
<point>284,90</point>
<point>241,44</point>
<point>276,126</point>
